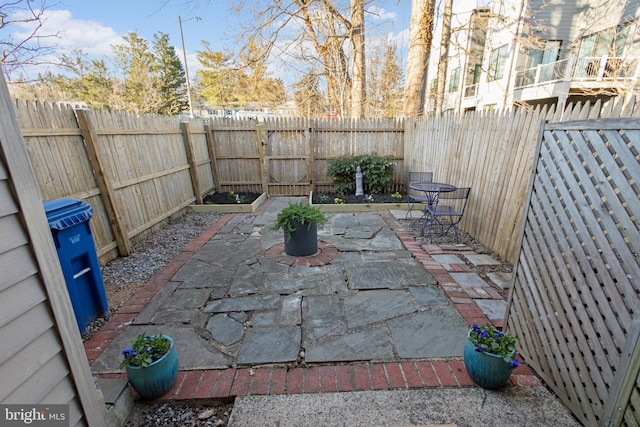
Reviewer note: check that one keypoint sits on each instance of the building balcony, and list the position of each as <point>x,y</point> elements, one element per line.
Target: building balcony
<point>576,75</point>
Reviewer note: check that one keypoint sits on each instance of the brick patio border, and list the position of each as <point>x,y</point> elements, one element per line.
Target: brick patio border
<point>225,384</point>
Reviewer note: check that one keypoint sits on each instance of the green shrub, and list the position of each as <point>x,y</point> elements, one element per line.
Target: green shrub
<point>377,173</point>
<point>297,212</point>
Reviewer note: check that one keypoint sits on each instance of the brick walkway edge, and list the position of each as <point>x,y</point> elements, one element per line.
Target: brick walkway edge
<point>226,384</point>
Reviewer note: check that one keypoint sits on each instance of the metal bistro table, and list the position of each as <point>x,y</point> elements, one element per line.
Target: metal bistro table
<point>431,190</point>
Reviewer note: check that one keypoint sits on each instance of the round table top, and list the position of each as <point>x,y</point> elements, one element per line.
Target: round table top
<point>432,186</point>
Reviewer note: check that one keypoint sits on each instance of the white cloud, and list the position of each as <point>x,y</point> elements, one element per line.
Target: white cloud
<point>92,37</point>
<point>377,13</point>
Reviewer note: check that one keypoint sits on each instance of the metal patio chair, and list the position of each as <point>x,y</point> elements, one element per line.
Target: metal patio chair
<point>446,213</point>
<point>414,196</point>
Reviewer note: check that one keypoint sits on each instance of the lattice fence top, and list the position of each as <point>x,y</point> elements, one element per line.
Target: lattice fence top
<point>577,277</point>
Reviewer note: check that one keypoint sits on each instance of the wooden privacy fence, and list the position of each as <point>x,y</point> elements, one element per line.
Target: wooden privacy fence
<point>493,154</point>
<point>289,157</point>
<point>574,302</point>
<point>135,171</point>
<point>138,170</point>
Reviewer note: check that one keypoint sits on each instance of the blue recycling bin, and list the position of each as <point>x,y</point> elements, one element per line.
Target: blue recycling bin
<point>69,223</point>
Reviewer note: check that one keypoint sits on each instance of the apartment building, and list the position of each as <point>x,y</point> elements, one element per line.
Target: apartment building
<point>506,53</point>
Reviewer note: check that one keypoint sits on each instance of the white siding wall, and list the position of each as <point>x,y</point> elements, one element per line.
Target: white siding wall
<point>42,360</point>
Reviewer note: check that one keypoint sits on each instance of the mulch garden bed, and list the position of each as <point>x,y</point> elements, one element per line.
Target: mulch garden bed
<point>330,199</point>
<point>230,198</point>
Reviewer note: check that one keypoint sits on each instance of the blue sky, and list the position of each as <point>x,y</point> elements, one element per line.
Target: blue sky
<point>96,25</point>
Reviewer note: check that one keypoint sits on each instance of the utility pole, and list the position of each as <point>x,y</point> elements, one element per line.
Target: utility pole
<point>186,68</point>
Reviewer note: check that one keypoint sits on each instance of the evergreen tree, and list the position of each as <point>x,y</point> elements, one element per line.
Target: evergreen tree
<point>219,81</point>
<point>168,68</point>
<point>98,87</point>
<point>142,86</point>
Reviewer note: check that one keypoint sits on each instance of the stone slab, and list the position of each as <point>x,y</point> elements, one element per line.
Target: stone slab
<point>247,303</point>
<point>481,259</point>
<point>361,232</point>
<point>436,332</point>
<point>291,310</point>
<point>447,259</point>
<point>224,329</point>
<point>371,344</point>
<point>368,307</point>
<point>501,279</point>
<point>187,299</point>
<point>181,316</point>
<point>428,296</point>
<point>376,275</point>
<point>270,345</point>
<point>494,309</point>
<point>322,314</point>
<point>468,280</point>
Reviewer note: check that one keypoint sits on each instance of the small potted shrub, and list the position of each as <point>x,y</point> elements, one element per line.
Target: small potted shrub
<point>152,365</point>
<point>490,356</point>
<point>300,225</point>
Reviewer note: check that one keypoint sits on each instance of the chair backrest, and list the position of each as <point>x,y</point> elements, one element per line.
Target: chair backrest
<point>456,198</point>
<point>418,177</point>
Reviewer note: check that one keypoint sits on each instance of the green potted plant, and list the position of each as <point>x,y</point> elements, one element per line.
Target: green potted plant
<point>300,225</point>
<point>151,364</point>
<point>490,356</point>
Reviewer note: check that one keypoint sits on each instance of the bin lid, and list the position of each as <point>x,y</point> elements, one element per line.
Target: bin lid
<point>65,213</point>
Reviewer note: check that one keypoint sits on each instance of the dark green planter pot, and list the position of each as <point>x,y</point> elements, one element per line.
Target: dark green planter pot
<point>485,369</point>
<point>302,241</point>
<point>156,379</point>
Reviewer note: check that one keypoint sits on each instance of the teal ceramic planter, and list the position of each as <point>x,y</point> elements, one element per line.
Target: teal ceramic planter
<point>156,379</point>
<point>485,369</point>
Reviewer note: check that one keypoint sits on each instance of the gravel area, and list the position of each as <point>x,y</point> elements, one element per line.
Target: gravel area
<point>124,275</point>
<point>215,414</point>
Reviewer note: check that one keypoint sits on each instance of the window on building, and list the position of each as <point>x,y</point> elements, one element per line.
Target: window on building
<point>609,42</point>
<point>497,61</point>
<point>434,87</point>
<point>548,53</point>
<point>454,80</point>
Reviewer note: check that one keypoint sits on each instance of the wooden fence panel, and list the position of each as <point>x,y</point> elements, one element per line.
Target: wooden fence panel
<point>576,286</point>
<point>331,139</point>
<point>238,154</point>
<point>489,152</point>
<point>287,157</point>
<point>147,160</point>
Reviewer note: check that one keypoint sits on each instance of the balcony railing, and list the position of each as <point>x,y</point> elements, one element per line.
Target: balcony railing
<point>601,68</point>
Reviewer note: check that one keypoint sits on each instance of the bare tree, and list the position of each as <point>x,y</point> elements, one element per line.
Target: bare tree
<point>420,36</point>
<point>444,55</point>
<point>15,54</point>
<point>312,30</point>
<point>359,86</point>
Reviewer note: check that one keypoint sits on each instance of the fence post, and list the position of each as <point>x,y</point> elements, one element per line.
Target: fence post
<point>312,159</point>
<point>107,192</point>
<point>211,147</point>
<point>191,158</point>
